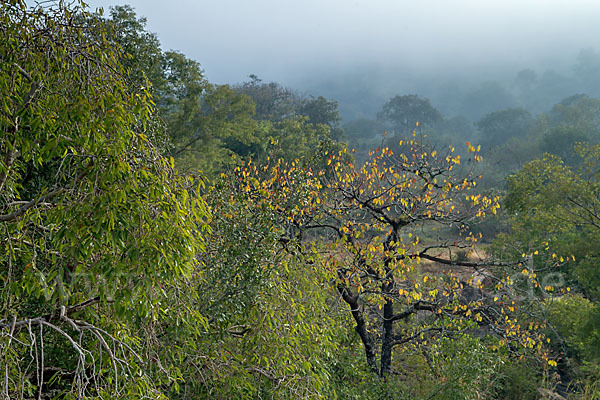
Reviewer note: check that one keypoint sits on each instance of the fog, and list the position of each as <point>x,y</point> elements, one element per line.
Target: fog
<point>342,48</point>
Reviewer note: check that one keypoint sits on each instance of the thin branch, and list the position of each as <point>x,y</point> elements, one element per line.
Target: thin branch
<point>62,313</point>
<point>187,145</point>
<point>23,209</point>
<point>9,159</point>
<point>462,263</point>
<point>418,306</point>
<point>415,336</point>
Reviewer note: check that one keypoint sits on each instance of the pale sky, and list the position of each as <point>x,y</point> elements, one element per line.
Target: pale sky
<point>285,40</point>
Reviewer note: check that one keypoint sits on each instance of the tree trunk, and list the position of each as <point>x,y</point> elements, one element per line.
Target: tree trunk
<point>361,328</point>
<point>388,339</point>
<point>387,287</point>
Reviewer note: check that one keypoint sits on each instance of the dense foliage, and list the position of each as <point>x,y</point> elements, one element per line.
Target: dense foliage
<point>166,237</point>
<point>96,224</point>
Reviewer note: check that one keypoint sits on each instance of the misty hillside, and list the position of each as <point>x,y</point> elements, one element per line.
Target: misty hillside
<point>472,93</point>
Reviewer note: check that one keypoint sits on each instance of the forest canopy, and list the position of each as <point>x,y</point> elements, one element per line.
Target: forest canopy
<point>167,237</point>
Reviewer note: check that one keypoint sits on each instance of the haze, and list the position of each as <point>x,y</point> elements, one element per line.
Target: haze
<point>279,39</point>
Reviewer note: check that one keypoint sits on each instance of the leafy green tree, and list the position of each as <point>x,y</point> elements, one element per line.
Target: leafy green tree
<point>555,203</point>
<point>272,329</point>
<point>97,227</point>
<point>140,52</point>
<point>321,111</point>
<point>497,127</point>
<point>561,141</point>
<point>207,128</point>
<point>573,120</point>
<point>364,135</point>
<point>273,101</point>
<point>553,214</point>
<point>205,123</point>
<point>578,110</point>
<point>576,320</point>
<point>552,87</point>
<point>403,112</point>
<point>297,124</point>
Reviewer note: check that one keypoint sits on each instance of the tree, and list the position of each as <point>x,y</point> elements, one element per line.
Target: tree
<point>579,111</point>
<point>552,202</point>
<point>586,71</point>
<point>562,140</point>
<point>272,327</point>
<point>140,51</point>
<point>97,227</point>
<point>403,112</point>
<point>457,129</point>
<point>486,98</point>
<point>273,101</point>
<point>498,126</point>
<point>553,214</point>
<point>572,120</point>
<point>552,87</point>
<point>363,128</point>
<point>321,111</point>
<point>205,124</point>
<point>526,86</point>
<point>367,221</point>
<point>525,79</point>
<point>375,212</point>
<point>202,120</point>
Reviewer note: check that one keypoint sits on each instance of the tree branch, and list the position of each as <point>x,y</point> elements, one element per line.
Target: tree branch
<point>60,314</point>
<point>23,209</point>
<point>187,145</point>
<point>462,263</point>
<point>398,342</point>
<point>418,306</point>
